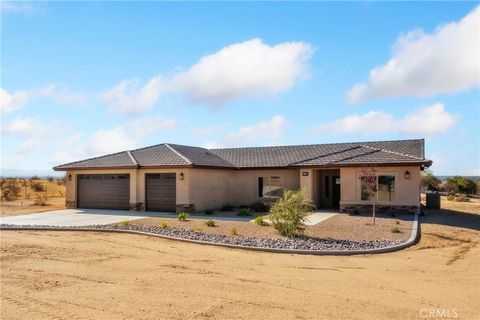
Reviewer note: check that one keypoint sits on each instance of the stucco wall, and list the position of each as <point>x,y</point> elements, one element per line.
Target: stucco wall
<point>407,190</point>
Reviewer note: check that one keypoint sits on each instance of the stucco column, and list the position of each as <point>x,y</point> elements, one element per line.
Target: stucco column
<point>134,202</point>
<point>306,182</point>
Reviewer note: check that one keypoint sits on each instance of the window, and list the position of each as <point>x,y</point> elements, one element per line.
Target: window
<point>270,187</point>
<point>385,189</point>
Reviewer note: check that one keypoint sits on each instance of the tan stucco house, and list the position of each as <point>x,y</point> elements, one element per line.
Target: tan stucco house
<point>170,177</point>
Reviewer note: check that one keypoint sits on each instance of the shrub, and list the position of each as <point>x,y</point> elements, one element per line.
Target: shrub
<point>233,231</point>
<point>461,199</point>
<point>210,223</point>
<point>451,197</point>
<point>259,207</point>
<point>37,186</point>
<point>395,230</point>
<point>288,213</point>
<point>10,190</point>
<point>209,212</point>
<point>182,216</point>
<point>226,207</point>
<point>50,179</point>
<point>40,200</point>
<point>164,224</point>
<point>125,223</point>
<point>260,221</point>
<point>245,212</point>
<point>197,229</point>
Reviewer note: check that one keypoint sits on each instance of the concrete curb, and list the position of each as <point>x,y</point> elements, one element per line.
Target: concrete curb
<point>414,237</point>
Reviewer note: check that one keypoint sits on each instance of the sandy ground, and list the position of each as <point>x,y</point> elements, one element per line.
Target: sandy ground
<point>47,275</point>
<point>19,207</point>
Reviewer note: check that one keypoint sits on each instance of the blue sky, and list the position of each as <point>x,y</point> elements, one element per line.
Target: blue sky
<point>83,79</point>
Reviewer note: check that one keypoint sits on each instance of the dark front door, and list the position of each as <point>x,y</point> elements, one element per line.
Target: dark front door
<point>103,191</point>
<point>336,191</point>
<point>161,192</point>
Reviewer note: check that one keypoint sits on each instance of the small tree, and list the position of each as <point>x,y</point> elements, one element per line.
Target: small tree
<point>288,213</point>
<point>429,181</point>
<point>369,186</point>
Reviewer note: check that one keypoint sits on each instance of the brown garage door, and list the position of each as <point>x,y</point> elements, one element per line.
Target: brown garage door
<point>103,191</point>
<point>160,191</point>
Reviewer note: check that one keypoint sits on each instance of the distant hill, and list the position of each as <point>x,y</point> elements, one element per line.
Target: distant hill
<point>444,178</point>
<point>19,173</point>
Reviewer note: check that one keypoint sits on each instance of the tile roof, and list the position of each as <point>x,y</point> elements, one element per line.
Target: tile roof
<point>337,154</point>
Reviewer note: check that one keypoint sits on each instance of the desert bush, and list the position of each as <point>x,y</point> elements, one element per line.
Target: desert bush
<point>260,221</point>
<point>395,230</point>
<point>226,207</point>
<point>164,224</point>
<point>397,222</point>
<point>35,177</point>
<point>10,190</point>
<point>197,229</point>
<point>125,223</point>
<point>210,223</point>
<point>182,216</point>
<point>289,212</point>
<point>40,200</point>
<point>245,212</point>
<point>37,186</point>
<point>451,197</point>
<point>461,199</point>
<point>233,231</point>
<point>259,207</point>
<point>50,179</point>
<point>209,212</point>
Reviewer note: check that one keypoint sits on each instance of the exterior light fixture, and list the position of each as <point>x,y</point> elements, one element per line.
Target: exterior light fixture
<point>407,174</point>
<point>69,177</point>
<point>181,176</point>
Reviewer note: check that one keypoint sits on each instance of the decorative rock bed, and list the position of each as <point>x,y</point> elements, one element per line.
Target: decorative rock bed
<point>301,244</point>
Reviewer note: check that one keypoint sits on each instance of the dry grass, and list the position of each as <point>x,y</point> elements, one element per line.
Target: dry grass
<point>80,275</point>
<point>19,207</point>
<point>51,189</point>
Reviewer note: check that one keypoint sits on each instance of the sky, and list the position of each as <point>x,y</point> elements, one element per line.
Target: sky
<point>83,79</point>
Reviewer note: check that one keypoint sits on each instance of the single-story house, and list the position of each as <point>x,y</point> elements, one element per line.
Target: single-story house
<point>170,177</point>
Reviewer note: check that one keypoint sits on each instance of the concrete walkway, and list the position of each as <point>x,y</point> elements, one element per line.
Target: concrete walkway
<point>319,216</point>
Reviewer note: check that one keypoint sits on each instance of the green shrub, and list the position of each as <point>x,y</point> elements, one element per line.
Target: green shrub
<point>182,216</point>
<point>260,221</point>
<point>125,223</point>
<point>164,224</point>
<point>395,230</point>
<point>233,231</point>
<point>226,207</point>
<point>210,223</point>
<point>209,212</point>
<point>259,207</point>
<point>245,212</point>
<point>288,213</point>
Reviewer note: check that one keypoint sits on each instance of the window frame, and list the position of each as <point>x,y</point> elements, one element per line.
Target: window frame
<point>264,181</point>
<point>395,197</point>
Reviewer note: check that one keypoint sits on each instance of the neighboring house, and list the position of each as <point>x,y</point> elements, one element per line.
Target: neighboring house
<point>170,177</point>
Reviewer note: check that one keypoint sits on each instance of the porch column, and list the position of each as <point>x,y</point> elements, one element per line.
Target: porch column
<point>134,204</point>
<point>306,182</point>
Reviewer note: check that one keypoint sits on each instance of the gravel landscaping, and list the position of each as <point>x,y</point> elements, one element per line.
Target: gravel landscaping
<point>299,243</point>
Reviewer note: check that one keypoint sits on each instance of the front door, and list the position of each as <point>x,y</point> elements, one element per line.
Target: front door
<point>336,191</point>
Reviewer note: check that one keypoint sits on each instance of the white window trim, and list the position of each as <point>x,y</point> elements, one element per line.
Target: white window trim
<point>396,190</point>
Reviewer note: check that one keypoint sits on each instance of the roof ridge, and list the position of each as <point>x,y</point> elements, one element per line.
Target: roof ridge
<point>178,153</point>
<point>394,152</point>
<point>357,155</point>
<point>133,158</point>
<point>325,155</point>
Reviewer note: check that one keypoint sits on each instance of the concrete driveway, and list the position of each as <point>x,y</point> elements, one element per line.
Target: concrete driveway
<point>72,217</point>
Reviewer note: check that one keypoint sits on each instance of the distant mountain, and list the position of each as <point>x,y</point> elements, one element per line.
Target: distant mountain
<point>19,173</point>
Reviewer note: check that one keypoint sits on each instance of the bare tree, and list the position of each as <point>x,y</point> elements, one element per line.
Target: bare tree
<point>369,182</point>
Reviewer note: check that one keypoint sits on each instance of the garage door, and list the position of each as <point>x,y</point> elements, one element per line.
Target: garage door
<point>161,191</point>
<point>103,191</point>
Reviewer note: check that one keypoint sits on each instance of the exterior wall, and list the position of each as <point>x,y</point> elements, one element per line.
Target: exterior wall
<point>407,191</point>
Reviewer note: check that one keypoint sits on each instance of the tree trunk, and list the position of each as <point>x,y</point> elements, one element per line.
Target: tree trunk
<point>373,208</point>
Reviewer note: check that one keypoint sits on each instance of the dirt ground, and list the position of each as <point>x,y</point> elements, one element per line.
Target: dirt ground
<point>82,275</point>
<point>19,207</point>
<point>340,227</point>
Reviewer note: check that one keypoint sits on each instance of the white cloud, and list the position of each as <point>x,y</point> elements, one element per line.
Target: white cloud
<point>242,70</point>
<point>445,61</point>
<point>21,7</point>
<point>266,132</point>
<point>10,102</point>
<point>35,138</point>
<point>423,121</point>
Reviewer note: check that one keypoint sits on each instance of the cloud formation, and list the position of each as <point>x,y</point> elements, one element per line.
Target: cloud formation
<point>422,65</point>
<point>423,121</point>
<point>242,70</point>
<point>10,102</point>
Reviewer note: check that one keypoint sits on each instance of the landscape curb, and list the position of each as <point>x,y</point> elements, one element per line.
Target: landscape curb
<point>414,237</point>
